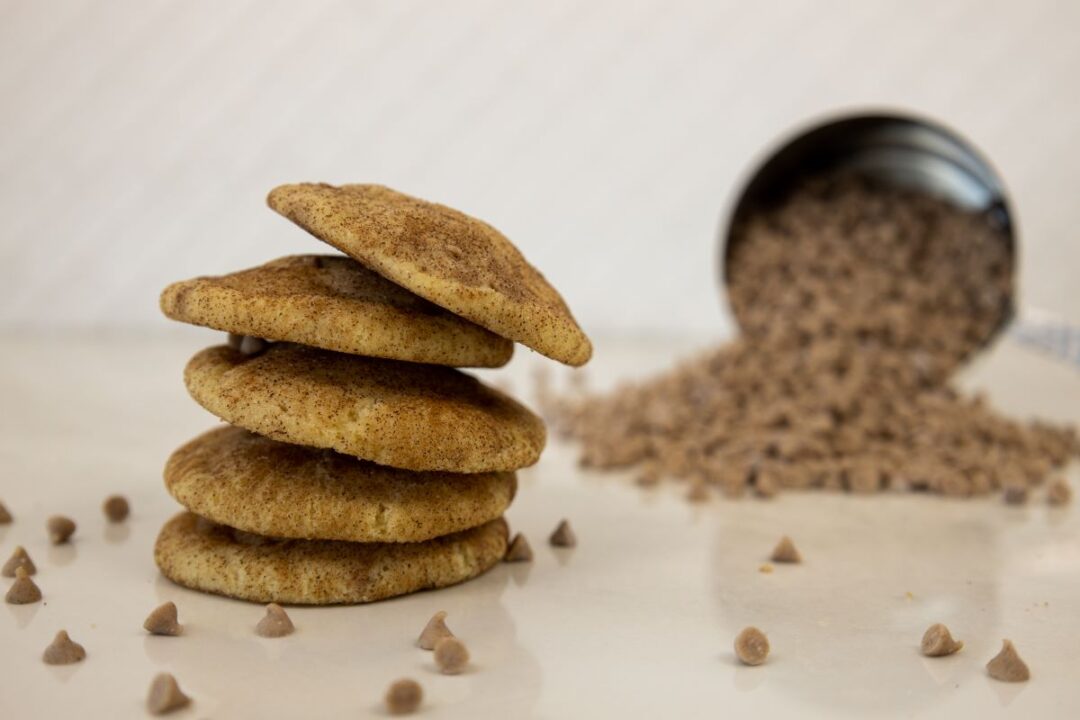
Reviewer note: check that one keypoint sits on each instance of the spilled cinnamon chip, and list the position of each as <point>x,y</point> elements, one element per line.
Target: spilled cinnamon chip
<point>434,631</point>
<point>785,552</point>
<point>116,508</point>
<point>698,492</point>
<point>751,646</point>
<point>1015,494</point>
<point>63,651</point>
<point>1059,493</point>
<point>60,529</point>
<point>451,655</point>
<point>519,550</point>
<point>23,591</point>
<point>19,559</point>
<point>403,697</point>
<point>165,695</point>
<point>276,623</point>
<point>563,536</point>
<point>5,516</point>
<point>163,621</point>
<point>937,641</point>
<point>1007,665</point>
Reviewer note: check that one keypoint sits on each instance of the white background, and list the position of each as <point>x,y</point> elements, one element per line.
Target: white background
<point>138,139</point>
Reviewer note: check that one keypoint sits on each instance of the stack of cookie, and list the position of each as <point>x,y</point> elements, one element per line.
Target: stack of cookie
<point>359,464</point>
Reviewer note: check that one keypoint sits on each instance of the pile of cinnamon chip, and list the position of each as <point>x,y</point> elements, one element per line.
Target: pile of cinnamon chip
<point>857,304</point>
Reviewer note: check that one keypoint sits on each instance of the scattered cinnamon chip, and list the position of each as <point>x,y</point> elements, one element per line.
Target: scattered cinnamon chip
<point>451,655</point>
<point>938,641</point>
<point>23,591</point>
<point>519,550</point>
<point>434,631</point>
<point>785,552</point>
<point>163,621</point>
<point>19,558</point>
<point>275,623</point>
<point>1059,493</point>
<point>60,529</point>
<point>751,646</point>
<point>1007,665</point>
<point>563,536</point>
<point>5,516</point>
<point>403,697</point>
<point>63,651</point>
<point>116,508</point>
<point>165,695</point>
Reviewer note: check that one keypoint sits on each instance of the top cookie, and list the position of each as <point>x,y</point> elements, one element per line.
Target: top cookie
<point>443,255</point>
<point>335,303</point>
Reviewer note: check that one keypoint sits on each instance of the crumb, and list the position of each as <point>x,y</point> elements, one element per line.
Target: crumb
<point>5,516</point>
<point>403,697</point>
<point>909,596</point>
<point>785,552</point>
<point>19,558</point>
<point>1007,665</point>
<point>163,621</point>
<point>60,529</point>
<point>116,508</point>
<point>451,655</point>
<point>434,631</point>
<point>165,695</point>
<point>563,536</point>
<point>275,623</point>
<point>765,568</point>
<point>23,591</point>
<point>519,550</point>
<point>751,646</point>
<point>938,641</point>
<point>1015,494</point>
<point>1059,493</point>
<point>63,651</point>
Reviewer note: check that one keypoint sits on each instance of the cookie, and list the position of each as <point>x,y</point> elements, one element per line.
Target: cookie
<point>445,256</point>
<point>410,416</point>
<point>333,302</point>
<point>201,555</point>
<point>262,486</point>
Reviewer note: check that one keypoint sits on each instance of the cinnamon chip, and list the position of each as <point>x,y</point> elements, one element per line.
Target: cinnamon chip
<point>19,558</point>
<point>434,631</point>
<point>785,552</point>
<point>1007,665</point>
<point>163,621</point>
<point>60,529</point>
<point>5,516</point>
<point>563,536</point>
<point>276,623</point>
<point>403,697</point>
<point>751,646</point>
<point>23,591</point>
<point>1059,493</point>
<point>1015,494</point>
<point>63,651</point>
<point>165,695</point>
<point>116,508</point>
<point>519,550</point>
<point>938,641</point>
<point>451,656</point>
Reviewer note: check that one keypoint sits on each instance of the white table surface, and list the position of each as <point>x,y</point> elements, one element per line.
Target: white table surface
<point>637,621</point>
